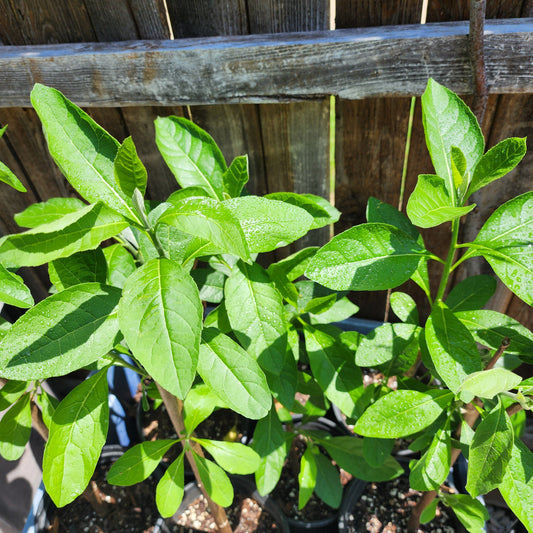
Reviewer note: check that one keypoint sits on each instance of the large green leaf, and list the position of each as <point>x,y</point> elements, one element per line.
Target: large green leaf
<point>490,452</point>
<point>160,315</point>
<point>505,241</point>
<point>270,443</point>
<point>452,348</point>
<point>449,122</point>
<point>234,457</point>
<point>517,484</point>
<point>333,367</point>
<point>191,154</point>
<point>319,208</point>
<point>81,267</point>
<point>269,224</point>
<point>77,435</point>
<point>472,293</point>
<point>488,383</point>
<point>490,328</point>
<point>328,483</point>
<point>215,481</point>
<point>130,172</point>
<point>169,491</point>
<point>234,375</point>
<point>236,177</point>
<point>368,257</point>
<point>62,333</point>
<point>120,264</point>
<point>257,315</point>
<point>402,413</point>
<point>430,204</point>
<point>387,342</point>
<point>13,291</point>
<point>212,221</point>
<point>497,162</point>
<point>83,150</point>
<point>82,230</point>
<point>306,477</point>
<point>15,429</point>
<point>45,212</point>
<point>432,469</point>
<point>347,452</point>
<point>138,462</point>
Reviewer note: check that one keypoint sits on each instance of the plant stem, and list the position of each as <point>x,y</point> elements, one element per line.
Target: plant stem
<point>174,408</point>
<point>448,264</point>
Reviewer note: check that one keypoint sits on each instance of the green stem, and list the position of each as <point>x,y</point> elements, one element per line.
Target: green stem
<point>448,263</point>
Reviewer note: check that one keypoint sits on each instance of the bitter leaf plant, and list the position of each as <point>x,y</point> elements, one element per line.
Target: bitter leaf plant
<point>467,397</point>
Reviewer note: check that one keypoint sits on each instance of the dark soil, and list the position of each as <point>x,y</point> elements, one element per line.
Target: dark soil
<point>127,509</point>
<point>386,508</point>
<point>245,516</point>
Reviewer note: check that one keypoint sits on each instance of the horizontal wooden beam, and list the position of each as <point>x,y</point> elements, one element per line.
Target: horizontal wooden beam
<point>352,64</point>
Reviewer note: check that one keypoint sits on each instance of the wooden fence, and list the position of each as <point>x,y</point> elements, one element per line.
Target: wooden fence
<point>227,65</point>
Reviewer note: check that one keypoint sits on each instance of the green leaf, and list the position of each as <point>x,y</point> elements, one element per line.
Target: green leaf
<point>11,392</point>
<point>48,406</point>
<point>490,452</point>
<point>471,294</point>
<point>517,484</point>
<point>130,172</point>
<point>328,484</point>
<point>215,481</point>
<point>295,264</point>
<point>306,477</point>
<point>13,291</point>
<point>401,413</point>
<point>81,267</point>
<point>376,451</point>
<point>333,367</point>
<point>488,383</point>
<point>470,511</point>
<point>234,457</point>
<point>83,150</point>
<point>120,264</point>
<point>428,514</point>
<point>339,311</point>
<point>138,462</point>
<point>367,257</point>
<point>269,224</point>
<point>169,491</point>
<point>212,221</point>
<point>62,333</point>
<point>505,242</point>
<point>319,208</point>
<point>432,469</point>
<point>283,383</point>
<point>449,122</point>
<point>199,403</point>
<point>210,284</point>
<point>77,435</point>
<point>383,213</point>
<point>490,328</point>
<point>15,429</point>
<point>347,452</point>
<point>257,316</point>
<point>191,154</point>
<point>7,176</point>
<point>236,177</point>
<point>404,307</point>
<point>83,230</point>
<point>270,443</point>
<point>46,212</point>
<point>430,204</point>
<point>387,342</point>
<point>451,346</point>
<point>497,162</point>
<point>234,375</point>
<point>160,315</point>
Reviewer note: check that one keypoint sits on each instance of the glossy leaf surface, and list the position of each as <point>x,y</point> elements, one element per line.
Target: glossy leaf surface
<point>130,172</point>
<point>233,457</point>
<point>236,176</point>
<point>169,491</point>
<point>13,291</point>
<point>215,481</point>
<point>45,212</point>
<point>81,267</point>
<point>15,429</point>
<point>471,293</point>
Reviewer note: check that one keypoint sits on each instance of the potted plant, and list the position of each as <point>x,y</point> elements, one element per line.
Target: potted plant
<point>465,399</point>
<point>132,277</point>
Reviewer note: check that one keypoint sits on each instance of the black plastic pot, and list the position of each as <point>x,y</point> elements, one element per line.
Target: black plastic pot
<point>43,509</point>
<point>243,485</point>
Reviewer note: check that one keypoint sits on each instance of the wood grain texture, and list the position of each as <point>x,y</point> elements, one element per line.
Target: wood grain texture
<point>352,64</point>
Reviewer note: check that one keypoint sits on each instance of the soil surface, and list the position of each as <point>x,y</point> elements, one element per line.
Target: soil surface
<point>245,516</point>
<point>127,509</point>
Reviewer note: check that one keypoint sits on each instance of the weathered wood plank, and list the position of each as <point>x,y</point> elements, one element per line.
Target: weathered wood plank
<point>352,64</point>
